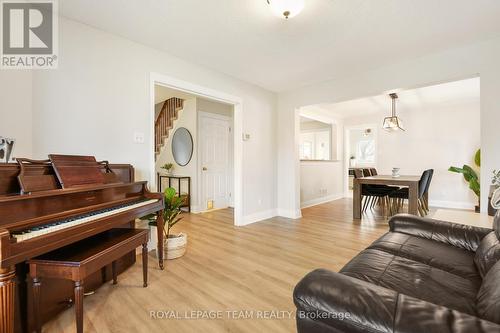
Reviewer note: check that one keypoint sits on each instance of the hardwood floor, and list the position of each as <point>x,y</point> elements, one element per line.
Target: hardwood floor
<point>227,268</point>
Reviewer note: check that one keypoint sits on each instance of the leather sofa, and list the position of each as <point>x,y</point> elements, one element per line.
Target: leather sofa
<point>423,275</point>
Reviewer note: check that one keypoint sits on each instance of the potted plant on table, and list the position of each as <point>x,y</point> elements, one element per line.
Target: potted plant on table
<point>174,244</point>
<point>471,176</point>
<point>352,161</point>
<point>168,167</point>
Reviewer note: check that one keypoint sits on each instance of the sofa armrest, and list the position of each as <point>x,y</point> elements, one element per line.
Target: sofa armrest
<point>347,304</point>
<point>459,235</point>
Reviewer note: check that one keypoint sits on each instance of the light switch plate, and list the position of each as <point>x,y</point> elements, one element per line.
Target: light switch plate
<point>138,137</point>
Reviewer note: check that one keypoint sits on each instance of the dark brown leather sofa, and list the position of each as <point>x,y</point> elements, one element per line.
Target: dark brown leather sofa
<point>424,275</point>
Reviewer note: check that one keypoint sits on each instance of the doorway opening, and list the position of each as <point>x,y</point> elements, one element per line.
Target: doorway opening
<point>441,130</point>
<point>360,150</point>
<point>195,150</point>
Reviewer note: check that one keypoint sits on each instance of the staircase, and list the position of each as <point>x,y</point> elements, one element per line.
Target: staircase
<point>165,121</point>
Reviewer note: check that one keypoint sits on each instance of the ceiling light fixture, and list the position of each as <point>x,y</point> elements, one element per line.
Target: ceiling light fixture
<point>286,8</point>
<point>393,123</point>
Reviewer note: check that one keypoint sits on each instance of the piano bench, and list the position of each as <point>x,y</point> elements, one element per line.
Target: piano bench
<point>77,261</point>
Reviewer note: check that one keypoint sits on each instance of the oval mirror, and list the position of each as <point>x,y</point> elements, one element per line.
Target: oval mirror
<point>182,146</point>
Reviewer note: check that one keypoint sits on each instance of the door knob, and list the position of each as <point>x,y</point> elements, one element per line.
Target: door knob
<point>204,168</point>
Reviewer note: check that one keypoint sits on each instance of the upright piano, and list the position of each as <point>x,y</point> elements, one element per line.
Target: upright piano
<point>38,214</point>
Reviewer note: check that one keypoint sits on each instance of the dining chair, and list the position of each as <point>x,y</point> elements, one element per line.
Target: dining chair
<point>425,198</point>
<point>373,194</point>
<point>397,198</point>
<point>373,172</point>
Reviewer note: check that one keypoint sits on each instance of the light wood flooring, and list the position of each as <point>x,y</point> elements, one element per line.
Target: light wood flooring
<point>227,268</point>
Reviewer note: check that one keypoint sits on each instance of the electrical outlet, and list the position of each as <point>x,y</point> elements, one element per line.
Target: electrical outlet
<point>259,202</point>
<point>138,137</point>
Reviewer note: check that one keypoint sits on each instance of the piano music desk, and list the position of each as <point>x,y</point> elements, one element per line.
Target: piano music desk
<point>76,261</point>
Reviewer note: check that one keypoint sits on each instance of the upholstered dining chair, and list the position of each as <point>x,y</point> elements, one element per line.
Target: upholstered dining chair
<point>373,194</point>
<point>425,197</point>
<point>397,198</point>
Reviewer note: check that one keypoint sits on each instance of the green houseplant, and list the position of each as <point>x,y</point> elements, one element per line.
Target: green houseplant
<point>169,167</point>
<point>471,176</point>
<point>175,244</point>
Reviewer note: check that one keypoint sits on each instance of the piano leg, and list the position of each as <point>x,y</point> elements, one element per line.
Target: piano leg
<point>7,294</point>
<point>159,227</point>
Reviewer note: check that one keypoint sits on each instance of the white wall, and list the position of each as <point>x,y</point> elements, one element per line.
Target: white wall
<point>323,181</point>
<point>463,62</point>
<point>15,110</point>
<point>320,182</point>
<point>436,137</point>
<point>100,95</point>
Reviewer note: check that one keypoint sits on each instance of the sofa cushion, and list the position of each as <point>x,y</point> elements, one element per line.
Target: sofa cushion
<point>488,297</point>
<point>455,234</point>
<point>414,278</point>
<point>487,254</point>
<point>438,255</point>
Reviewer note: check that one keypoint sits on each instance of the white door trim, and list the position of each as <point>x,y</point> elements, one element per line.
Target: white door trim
<point>237,102</point>
<point>205,114</point>
<point>214,115</point>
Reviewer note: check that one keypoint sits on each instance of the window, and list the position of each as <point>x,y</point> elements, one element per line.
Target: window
<point>366,151</point>
<point>315,145</point>
<point>306,150</point>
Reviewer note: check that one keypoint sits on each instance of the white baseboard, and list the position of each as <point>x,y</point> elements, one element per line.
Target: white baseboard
<point>195,209</point>
<point>259,216</point>
<point>451,204</point>
<point>290,214</point>
<point>322,200</point>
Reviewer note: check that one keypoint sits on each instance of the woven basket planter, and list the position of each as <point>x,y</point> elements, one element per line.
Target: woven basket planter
<point>174,247</point>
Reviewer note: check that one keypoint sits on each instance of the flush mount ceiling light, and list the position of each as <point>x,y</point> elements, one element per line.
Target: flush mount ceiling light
<point>286,8</point>
<point>393,123</point>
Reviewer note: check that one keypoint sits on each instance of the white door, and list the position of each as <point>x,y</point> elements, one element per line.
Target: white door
<point>214,144</point>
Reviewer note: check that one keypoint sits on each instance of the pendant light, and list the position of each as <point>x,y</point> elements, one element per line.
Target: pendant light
<point>286,8</point>
<point>393,123</point>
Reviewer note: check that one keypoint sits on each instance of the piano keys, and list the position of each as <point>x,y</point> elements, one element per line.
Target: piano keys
<point>63,224</point>
<point>34,221</point>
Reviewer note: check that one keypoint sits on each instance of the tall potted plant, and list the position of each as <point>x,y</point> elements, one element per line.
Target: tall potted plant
<point>471,176</point>
<point>175,244</point>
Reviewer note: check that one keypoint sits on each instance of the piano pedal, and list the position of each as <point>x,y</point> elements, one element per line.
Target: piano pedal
<point>89,293</point>
<point>68,302</point>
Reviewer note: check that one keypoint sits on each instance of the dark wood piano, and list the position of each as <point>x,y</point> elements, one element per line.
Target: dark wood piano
<point>45,205</point>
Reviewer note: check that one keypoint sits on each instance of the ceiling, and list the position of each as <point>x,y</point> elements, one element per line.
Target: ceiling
<point>463,91</point>
<point>330,38</point>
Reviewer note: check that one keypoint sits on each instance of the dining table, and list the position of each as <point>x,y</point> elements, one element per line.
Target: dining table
<point>402,181</point>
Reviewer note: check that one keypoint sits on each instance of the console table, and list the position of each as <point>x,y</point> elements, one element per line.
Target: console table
<point>178,179</point>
